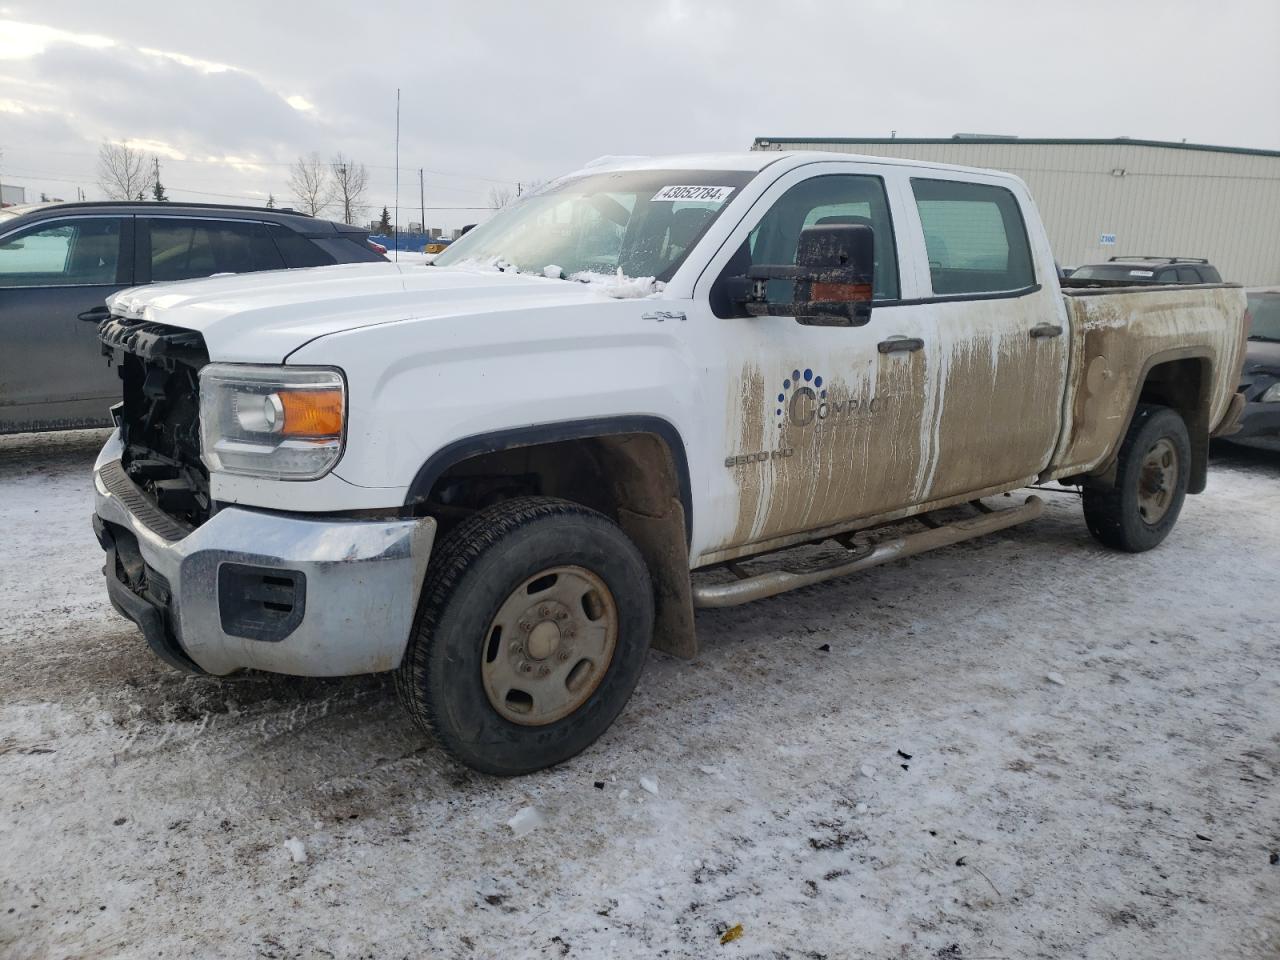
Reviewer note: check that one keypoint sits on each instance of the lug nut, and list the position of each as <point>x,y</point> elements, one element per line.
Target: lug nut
<point>517,649</point>
<point>543,670</point>
<point>544,611</point>
<point>526,667</point>
<point>526,626</point>
<point>561,614</point>
<point>563,656</point>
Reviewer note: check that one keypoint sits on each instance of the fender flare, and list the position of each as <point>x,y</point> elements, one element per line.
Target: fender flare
<point>1199,445</point>
<point>464,449</point>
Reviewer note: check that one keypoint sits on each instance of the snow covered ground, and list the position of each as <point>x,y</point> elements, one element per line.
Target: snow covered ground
<point>1019,747</point>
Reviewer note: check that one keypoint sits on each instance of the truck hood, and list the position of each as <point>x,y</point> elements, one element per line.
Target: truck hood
<point>263,317</point>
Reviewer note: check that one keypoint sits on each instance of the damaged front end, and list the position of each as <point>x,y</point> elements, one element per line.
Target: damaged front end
<point>159,418</point>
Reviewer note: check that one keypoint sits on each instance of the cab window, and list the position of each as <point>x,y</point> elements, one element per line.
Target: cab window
<point>974,236</point>
<point>66,253</point>
<point>832,199</point>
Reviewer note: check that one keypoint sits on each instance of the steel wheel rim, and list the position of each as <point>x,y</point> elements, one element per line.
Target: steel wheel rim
<point>1157,481</point>
<point>549,645</point>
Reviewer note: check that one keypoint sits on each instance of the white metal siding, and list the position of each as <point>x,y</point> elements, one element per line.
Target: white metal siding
<point>1169,202</point>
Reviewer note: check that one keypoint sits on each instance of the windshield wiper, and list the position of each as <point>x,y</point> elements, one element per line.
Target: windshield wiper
<point>1258,336</point>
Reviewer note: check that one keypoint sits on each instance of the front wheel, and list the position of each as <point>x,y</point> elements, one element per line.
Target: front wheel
<point>535,621</point>
<point>1152,473</point>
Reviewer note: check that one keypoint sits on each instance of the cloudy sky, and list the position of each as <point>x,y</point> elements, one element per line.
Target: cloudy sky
<point>228,93</point>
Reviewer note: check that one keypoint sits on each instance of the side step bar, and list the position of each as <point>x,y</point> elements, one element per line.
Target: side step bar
<point>770,584</point>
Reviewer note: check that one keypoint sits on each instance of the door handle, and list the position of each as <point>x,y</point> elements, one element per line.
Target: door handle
<point>900,345</point>
<point>1042,330</point>
<point>96,315</point>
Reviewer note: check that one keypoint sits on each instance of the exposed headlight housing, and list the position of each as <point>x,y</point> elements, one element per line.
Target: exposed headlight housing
<point>1271,394</point>
<point>282,423</point>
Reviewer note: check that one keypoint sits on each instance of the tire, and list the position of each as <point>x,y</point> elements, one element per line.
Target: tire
<point>474,636</point>
<point>1152,473</point>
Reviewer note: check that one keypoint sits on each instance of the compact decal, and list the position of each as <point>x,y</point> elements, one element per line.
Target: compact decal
<point>803,400</point>
<point>696,193</point>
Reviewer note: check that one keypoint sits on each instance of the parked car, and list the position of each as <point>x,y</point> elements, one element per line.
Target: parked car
<point>496,480</point>
<point>1260,382</point>
<point>59,263</point>
<point>1133,271</point>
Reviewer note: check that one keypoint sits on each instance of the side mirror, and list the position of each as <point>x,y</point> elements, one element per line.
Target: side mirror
<point>833,271</point>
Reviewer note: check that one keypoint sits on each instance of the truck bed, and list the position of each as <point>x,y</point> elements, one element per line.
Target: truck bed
<point>1195,335</point>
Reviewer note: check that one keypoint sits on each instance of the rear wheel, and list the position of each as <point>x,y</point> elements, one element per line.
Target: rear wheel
<point>1152,473</point>
<point>535,621</point>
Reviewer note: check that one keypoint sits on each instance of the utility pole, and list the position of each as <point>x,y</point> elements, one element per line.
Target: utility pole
<point>519,189</point>
<point>156,160</point>
<point>422,202</point>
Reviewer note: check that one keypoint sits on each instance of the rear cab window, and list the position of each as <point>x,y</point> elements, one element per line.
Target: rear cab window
<point>975,238</point>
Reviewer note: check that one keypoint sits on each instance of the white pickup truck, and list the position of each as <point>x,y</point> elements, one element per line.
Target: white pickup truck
<point>496,474</point>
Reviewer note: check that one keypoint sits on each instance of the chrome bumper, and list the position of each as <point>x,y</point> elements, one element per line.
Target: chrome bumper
<point>358,581</point>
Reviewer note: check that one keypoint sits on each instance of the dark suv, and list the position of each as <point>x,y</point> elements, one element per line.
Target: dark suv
<point>59,262</point>
<point>1134,271</point>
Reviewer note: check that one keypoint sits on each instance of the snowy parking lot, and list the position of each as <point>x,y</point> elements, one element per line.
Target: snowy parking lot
<point>1022,746</point>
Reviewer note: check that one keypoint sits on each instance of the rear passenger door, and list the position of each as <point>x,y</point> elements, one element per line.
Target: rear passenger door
<point>997,369</point>
<point>186,248</point>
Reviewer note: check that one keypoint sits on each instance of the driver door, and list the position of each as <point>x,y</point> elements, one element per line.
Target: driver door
<point>822,424</point>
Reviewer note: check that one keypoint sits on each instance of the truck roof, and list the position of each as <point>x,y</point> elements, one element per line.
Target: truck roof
<point>756,160</point>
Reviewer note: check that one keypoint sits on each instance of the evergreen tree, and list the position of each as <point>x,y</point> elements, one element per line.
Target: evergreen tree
<point>384,224</point>
<point>157,192</point>
<point>271,201</point>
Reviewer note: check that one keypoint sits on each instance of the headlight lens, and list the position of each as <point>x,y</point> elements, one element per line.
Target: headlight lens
<point>1271,394</point>
<point>284,423</point>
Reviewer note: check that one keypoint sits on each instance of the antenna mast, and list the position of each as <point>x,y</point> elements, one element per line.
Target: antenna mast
<point>397,238</point>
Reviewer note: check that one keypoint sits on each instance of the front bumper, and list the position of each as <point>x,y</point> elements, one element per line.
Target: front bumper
<point>255,589</point>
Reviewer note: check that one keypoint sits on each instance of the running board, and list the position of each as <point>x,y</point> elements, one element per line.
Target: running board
<point>760,585</point>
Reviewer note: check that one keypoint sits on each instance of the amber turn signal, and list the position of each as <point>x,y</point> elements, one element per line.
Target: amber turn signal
<point>311,413</point>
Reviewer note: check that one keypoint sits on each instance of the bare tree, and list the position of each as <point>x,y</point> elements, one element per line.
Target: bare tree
<point>350,184</point>
<point>499,197</point>
<point>123,173</point>
<point>309,181</point>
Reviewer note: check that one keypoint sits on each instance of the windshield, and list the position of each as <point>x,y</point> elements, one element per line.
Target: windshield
<point>1114,271</point>
<point>642,222</point>
<point>1264,308</point>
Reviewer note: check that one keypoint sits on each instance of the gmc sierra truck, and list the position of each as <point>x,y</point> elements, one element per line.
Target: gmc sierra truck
<point>495,475</point>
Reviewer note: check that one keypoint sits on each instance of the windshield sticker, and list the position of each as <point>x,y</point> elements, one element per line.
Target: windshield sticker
<point>687,192</point>
<point>1142,273</point>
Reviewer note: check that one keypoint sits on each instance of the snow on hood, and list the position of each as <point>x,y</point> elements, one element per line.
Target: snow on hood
<point>263,317</point>
<point>618,286</point>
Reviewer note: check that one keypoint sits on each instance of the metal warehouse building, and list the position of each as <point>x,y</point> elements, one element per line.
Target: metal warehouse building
<point>1122,197</point>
